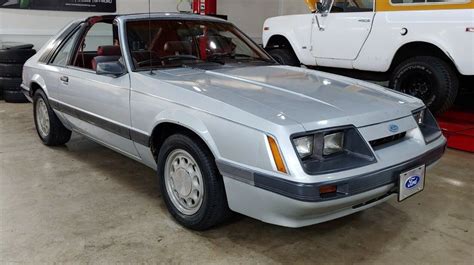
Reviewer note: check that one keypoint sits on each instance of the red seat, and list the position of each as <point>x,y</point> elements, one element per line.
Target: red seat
<point>106,54</point>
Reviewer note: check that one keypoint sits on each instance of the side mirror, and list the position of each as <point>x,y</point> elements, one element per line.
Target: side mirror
<point>324,7</point>
<point>110,68</point>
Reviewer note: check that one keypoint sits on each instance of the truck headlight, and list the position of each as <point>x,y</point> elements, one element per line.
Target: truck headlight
<point>333,143</point>
<point>304,145</point>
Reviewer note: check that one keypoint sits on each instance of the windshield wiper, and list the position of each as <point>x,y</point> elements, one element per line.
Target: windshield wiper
<point>179,57</point>
<point>220,57</point>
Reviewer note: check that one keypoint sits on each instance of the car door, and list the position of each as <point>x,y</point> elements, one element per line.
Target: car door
<point>97,105</point>
<point>342,33</point>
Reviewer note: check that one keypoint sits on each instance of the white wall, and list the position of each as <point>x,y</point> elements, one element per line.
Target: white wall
<point>35,26</point>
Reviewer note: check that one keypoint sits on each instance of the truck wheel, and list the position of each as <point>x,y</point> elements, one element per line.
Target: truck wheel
<point>285,57</point>
<point>50,129</point>
<point>428,78</point>
<point>190,183</point>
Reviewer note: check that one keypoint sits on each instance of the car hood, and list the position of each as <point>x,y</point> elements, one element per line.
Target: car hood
<point>312,98</point>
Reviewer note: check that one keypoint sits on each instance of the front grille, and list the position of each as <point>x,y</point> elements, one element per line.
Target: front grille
<point>382,142</point>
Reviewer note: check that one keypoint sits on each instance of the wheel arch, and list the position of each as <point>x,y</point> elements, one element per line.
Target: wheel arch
<point>278,41</point>
<point>181,122</point>
<point>37,82</point>
<point>420,48</point>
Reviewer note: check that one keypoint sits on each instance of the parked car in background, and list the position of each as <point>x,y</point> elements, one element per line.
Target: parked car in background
<point>423,48</point>
<point>226,127</point>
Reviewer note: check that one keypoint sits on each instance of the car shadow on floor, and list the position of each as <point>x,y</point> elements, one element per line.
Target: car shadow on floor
<point>355,238</point>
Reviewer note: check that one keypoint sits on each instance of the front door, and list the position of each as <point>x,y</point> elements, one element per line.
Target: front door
<point>342,33</point>
<point>97,105</point>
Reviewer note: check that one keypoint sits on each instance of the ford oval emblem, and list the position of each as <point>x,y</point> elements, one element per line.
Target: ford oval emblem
<point>412,182</point>
<point>393,128</point>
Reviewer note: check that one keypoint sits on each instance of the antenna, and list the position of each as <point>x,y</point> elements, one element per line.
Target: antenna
<point>149,37</point>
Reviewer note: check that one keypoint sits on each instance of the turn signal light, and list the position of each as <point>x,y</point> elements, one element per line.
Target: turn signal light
<point>327,189</point>
<point>277,157</point>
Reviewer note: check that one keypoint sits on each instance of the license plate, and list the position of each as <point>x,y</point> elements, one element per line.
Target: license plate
<point>411,182</point>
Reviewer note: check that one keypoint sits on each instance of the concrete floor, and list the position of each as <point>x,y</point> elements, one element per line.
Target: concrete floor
<point>83,203</point>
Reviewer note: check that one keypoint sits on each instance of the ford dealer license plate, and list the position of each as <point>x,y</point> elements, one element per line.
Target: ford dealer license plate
<point>411,182</point>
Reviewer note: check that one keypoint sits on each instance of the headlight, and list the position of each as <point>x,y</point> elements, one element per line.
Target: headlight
<point>331,150</point>
<point>427,124</point>
<point>333,143</point>
<point>304,145</point>
<point>419,116</point>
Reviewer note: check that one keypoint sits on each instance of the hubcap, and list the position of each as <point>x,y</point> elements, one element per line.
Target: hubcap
<point>42,118</point>
<point>183,180</point>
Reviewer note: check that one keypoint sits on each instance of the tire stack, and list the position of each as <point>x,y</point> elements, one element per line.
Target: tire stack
<point>12,58</point>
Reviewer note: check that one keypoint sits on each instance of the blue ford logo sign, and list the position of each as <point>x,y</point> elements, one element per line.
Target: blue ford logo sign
<point>412,182</point>
<point>393,128</point>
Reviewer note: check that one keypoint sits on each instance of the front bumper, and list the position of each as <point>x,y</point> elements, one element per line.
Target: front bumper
<point>293,204</point>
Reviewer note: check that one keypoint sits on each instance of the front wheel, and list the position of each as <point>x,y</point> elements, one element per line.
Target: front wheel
<point>50,129</point>
<point>428,78</point>
<point>285,57</point>
<point>190,183</point>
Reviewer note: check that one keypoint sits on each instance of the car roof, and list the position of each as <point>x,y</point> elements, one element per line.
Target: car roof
<point>157,15</point>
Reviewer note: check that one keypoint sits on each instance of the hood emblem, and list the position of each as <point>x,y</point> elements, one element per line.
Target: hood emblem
<point>393,128</point>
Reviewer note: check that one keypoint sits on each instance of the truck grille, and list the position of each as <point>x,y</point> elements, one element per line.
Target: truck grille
<point>383,142</point>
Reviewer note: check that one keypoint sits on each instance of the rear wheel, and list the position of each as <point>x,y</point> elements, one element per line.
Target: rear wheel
<point>285,57</point>
<point>50,129</point>
<point>428,78</point>
<point>190,183</point>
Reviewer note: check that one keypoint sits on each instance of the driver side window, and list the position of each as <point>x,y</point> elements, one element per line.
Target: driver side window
<point>100,44</point>
<point>347,6</point>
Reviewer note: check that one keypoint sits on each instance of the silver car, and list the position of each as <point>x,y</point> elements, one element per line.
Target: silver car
<point>226,128</point>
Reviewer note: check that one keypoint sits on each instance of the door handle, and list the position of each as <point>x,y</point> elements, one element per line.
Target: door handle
<point>64,79</point>
<point>364,20</point>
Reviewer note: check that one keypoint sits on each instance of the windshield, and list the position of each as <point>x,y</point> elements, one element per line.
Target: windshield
<point>174,43</point>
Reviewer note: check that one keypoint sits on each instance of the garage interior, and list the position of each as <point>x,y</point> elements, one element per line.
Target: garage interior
<point>83,203</point>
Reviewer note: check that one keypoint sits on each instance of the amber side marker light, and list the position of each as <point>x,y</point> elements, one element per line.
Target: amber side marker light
<point>324,190</point>
<point>277,157</point>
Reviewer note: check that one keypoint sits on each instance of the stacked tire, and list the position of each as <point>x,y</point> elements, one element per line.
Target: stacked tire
<point>12,58</point>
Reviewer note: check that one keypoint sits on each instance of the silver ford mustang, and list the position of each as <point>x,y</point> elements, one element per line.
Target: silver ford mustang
<point>226,128</point>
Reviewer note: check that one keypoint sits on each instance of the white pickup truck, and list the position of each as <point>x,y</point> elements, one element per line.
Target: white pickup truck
<point>422,47</point>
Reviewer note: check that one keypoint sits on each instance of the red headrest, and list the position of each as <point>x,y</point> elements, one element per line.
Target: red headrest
<point>109,51</point>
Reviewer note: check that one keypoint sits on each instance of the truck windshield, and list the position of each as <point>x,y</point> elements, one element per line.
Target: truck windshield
<point>173,43</point>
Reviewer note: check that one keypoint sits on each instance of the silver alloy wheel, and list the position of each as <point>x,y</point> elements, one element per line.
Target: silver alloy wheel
<point>184,182</point>
<point>42,118</point>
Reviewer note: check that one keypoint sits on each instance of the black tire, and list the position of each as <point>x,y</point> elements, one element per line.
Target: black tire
<point>214,208</point>
<point>10,83</point>
<point>14,96</point>
<point>11,70</point>
<point>17,56</point>
<point>15,46</point>
<point>285,57</point>
<point>58,134</point>
<point>428,78</point>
